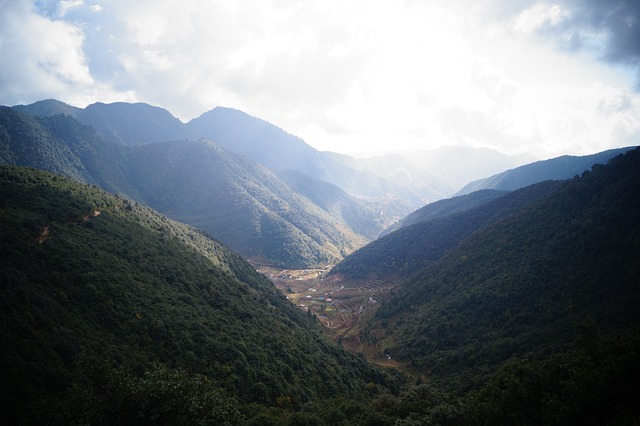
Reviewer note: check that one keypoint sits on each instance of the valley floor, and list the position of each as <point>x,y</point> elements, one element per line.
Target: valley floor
<point>341,305</point>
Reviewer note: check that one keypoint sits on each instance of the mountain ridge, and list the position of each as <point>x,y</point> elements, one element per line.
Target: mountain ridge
<point>521,284</point>
<point>559,168</point>
<point>59,143</point>
<point>89,275</point>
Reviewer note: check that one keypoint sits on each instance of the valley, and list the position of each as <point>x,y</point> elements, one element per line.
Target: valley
<point>342,305</point>
<point>140,262</point>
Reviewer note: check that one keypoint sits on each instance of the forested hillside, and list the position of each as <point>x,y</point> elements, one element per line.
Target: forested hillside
<point>235,199</point>
<point>120,122</point>
<point>279,150</point>
<point>62,145</point>
<point>240,202</point>
<point>101,296</point>
<point>564,167</point>
<point>411,248</point>
<point>522,287</point>
<point>445,207</point>
<point>360,215</point>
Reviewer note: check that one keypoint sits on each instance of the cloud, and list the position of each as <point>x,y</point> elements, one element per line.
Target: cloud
<point>365,72</point>
<point>609,29</point>
<point>67,5</point>
<point>44,56</point>
<point>39,55</point>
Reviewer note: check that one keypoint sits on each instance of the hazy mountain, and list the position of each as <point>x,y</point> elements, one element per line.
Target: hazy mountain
<point>279,150</point>
<point>521,286</point>
<point>459,165</point>
<point>446,207</point>
<point>239,201</point>
<point>255,138</point>
<point>48,107</point>
<point>62,145</point>
<point>97,290</point>
<point>559,168</point>
<point>133,124</point>
<point>120,122</point>
<point>361,216</point>
<point>411,248</point>
<point>414,181</point>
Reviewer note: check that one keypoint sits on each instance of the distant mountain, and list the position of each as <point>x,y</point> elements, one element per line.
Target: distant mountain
<point>133,124</point>
<point>254,138</point>
<point>97,290</point>
<point>559,168</point>
<point>458,165</point>
<point>446,207</point>
<point>411,248</point>
<point>120,122</point>
<point>237,200</point>
<point>413,181</point>
<point>523,287</point>
<point>62,145</point>
<point>279,150</point>
<point>240,202</point>
<point>48,107</point>
<point>361,216</point>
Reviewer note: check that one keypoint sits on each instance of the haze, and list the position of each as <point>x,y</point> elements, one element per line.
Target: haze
<point>535,77</point>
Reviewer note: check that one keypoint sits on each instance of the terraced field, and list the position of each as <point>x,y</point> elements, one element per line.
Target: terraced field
<point>341,305</point>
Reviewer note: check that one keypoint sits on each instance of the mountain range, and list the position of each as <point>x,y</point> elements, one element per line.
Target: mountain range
<point>559,168</point>
<point>92,281</point>
<point>507,305</point>
<point>521,284</point>
<point>198,182</point>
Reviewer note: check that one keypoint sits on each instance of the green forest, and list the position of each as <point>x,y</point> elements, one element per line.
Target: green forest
<point>98,288</point>
<point>513,307</point>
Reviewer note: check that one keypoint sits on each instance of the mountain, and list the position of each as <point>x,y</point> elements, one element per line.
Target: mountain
<point>559,168</point>
<point>62,145</point>
<point>458,165</point>
<point>133,124</point>
<point>239,201</point>
<point>254,138</point>
<point>361,216</point>
<point>445,207</point>
<point>447,223</point>
<point>48,107</point>
<point>120,122</point>
<point>111,311</point>
<point>412,181</point>
<point>279,150</point>
<point>523,287</point>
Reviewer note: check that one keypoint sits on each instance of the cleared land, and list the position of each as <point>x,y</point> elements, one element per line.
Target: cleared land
<point>341,306</point>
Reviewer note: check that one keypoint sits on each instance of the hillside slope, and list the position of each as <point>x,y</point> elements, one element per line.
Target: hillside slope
<point>119,122</point>
<point>61,144</point>
<point>445,207</point>
<point>361,216</point>
<point>564,167</point>
<point>240,202</point>
<point>89,278</point>
<point>231,197</point>
<point>279,150</point>
<point>414,247</point>
<point>520,287</point>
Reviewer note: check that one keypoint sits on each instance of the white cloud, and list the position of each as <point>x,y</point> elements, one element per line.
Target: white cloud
<point>539,15</point>
<point>39,55</point>
<point>345,76</point>
<point>67,5</point>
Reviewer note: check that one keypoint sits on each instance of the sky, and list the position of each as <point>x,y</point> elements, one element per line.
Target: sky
<point>545,78</point>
